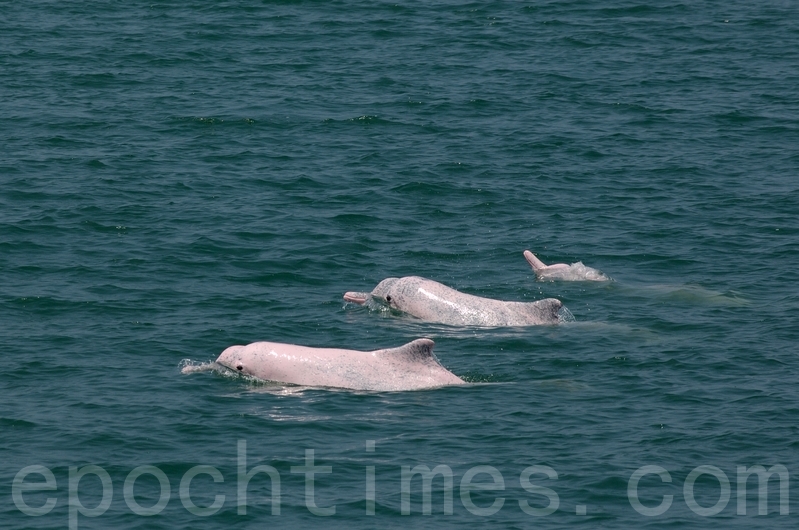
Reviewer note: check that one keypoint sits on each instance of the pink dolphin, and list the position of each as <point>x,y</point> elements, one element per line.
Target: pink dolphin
<point>561,271</point>
<point>409,367</point>
<point>434,302</point>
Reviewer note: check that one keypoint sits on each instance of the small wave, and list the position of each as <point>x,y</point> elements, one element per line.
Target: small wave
<point>564,315</point>
<point>696,294</point>
<point>187,366</point>
<point>568,385</point>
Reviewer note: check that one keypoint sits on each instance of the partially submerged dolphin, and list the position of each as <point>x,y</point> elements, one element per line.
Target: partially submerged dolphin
<point>409,367</point>
<point>561,271</point>
<point>435,302</point>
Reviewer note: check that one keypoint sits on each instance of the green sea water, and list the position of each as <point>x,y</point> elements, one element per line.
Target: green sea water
<point>179,177</point>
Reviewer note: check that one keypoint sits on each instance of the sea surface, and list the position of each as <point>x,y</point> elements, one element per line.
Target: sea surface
<point>180,177</point>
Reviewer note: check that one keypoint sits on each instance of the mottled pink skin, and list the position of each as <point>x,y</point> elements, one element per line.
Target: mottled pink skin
<point>409,367</point>
<point>435,302</point>
<point>561,271</point>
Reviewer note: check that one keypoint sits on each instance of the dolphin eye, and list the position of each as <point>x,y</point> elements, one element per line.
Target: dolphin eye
<point>239,367</point>
<point>388,299</point>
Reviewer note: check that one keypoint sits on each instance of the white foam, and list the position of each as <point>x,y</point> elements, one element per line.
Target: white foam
<point>192,367</point>
<point>576,272</point>
<point>564,315</point>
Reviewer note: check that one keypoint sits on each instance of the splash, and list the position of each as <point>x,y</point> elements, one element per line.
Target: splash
<point>187,366</point>
<point>576,272</point>
<point>564,315</point>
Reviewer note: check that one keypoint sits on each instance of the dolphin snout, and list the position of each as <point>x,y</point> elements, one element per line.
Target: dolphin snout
<point>356,298</point>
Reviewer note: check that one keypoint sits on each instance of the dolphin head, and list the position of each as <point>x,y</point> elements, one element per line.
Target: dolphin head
<point>546,311</point>
<point>555,312</point>
<point>234,359</point>
<point>551,307</point>
<point>384,289</point>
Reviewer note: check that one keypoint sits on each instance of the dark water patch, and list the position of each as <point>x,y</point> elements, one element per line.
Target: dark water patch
<point>10,423</point>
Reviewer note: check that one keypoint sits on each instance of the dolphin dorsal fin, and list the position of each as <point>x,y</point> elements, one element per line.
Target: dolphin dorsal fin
<point>419,350</point>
